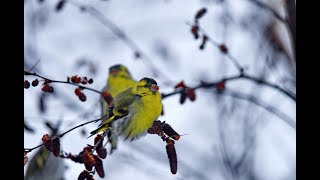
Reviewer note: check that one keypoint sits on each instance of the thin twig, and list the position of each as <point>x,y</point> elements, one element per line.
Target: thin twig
<point>61,135</point>
<point>238,66</point>
<point>268,8</point>
<point>274,86</point>
<point>218,45</point>
<point>63,82</point>
<point>236,77</point>
<point>262,104</point>
<point>34,66</point>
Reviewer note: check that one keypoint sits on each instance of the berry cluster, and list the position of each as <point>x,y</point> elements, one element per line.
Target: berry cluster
<point>167,134</point>
<point>185,92</point>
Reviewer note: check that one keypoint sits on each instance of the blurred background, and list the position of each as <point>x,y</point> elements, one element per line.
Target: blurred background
<point>246,132</point>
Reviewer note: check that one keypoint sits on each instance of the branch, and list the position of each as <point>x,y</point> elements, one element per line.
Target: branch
<point>274,86</point>
<point>248,98</point>
<point>61,135</point>
<point>240,76</point>
<point>196,28</point>
<point>268,8</point>
<point>57,81</point>
<point>262,104</point>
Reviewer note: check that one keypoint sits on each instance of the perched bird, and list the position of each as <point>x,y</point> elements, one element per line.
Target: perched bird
<point>135,109</point>
<point>119,79</point>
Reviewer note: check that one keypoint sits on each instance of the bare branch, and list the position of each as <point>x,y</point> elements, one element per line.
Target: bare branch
<point>61,135</point>
<point>272,11</point>
<point>240,76</point>
<point>262,104</point>
<point>63,82</point>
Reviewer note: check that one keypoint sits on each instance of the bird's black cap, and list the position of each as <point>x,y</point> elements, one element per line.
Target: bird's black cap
<point>149,80</point>
<point>117,66</point>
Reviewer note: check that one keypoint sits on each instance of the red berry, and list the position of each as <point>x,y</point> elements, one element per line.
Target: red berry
<point>26,84</point>
<point>73,78</point>
<point>50,89</point>
<point>191,94</point>
<point>77,91</point>
<point>35,82</point>
<point>84,80</point>
<point>44,88</point>
<point>180,85</point>
<point>220,86</point>
<point>82,97</point>
<point>47,88</point>
<point>78,80</point>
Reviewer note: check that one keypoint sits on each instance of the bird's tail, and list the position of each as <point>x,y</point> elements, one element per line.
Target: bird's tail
<point>103,126</point>
<point>100,129</point>
<point>113,138</point>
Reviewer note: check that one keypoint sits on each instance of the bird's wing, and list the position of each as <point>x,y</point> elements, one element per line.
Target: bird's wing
<point>122,102</point>
<point>103,103</point>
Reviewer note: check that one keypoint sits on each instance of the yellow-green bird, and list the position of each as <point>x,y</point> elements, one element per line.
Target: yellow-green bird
<point>119,79</point>
<point>135,109</point>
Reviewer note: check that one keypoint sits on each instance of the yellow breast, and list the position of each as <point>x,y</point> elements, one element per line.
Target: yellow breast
<point>142,115</point>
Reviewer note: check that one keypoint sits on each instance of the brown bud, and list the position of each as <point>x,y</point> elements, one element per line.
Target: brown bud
<point>56,146</point>
<point>200,13</point>
<point>183,97</point>
<point>195,31</point>
<point>47,142</point>
<point>223,48</point>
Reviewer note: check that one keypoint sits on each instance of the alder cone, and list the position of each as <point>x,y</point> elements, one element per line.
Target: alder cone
<point>172,155</point>
<point>83,175</point>
<point>102,153</point>
<point>99,166</point>
<point>96,140</point>
<point>170,132</point>
<point>56,146</point>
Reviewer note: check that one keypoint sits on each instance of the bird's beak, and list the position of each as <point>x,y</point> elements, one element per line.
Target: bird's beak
<point>154,88</point>
<point>114,71</point>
